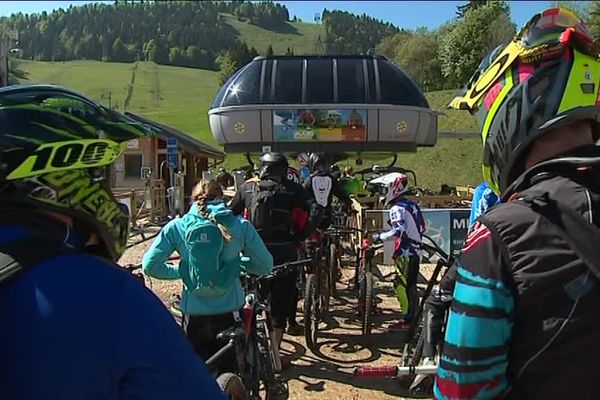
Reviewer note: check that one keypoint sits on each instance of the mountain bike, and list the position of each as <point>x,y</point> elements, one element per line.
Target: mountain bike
<point>253,339</point>
<point>411,366</point>
<point>364,282</point>
<point>317,289</point>
<point>333,237</point>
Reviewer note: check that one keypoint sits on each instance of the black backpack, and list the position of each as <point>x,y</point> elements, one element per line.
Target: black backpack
<point>269,218</point>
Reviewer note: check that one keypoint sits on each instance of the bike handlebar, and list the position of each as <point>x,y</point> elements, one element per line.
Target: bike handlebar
<point>279,269</point>
<point>382,371</point>
<point>389,371</point>
<point>434,248</point>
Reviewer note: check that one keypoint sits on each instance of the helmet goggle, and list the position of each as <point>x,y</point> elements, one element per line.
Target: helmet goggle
<point>542,39</point>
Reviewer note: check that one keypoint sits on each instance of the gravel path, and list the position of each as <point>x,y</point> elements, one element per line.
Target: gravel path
<point>327,373</point>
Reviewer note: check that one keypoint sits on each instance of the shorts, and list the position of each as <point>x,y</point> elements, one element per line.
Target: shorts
<point>283,298</point>
<point>202,331</point>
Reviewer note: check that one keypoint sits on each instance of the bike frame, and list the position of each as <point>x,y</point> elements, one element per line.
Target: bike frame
<point>444,261</point>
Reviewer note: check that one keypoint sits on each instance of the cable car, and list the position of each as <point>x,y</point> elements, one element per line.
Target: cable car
<point>330,104</point>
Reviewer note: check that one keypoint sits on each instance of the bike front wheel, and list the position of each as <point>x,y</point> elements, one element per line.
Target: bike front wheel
<point>311,311</point>
<point>367,301</point>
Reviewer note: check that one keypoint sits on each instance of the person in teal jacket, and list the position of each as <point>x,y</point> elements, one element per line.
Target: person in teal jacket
<point>204,317</point>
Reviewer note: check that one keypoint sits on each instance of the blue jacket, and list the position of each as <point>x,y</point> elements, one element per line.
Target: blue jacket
<point>245,240</point>
<point>77,327</point>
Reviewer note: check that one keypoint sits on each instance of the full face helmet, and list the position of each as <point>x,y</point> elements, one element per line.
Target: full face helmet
<point>273,166</point>
<point>317,163</point>
<point>56,147</point>
<point>546,77</point>
<point>396,188</point>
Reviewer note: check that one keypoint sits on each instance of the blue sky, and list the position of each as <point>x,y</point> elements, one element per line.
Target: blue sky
<point>404,14</point>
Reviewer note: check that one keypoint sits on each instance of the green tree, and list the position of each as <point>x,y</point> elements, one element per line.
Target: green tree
<point>269,51</point>
<point>474,36</point>
<point>593,12</point>
<point>119,52</point>
<point>417,55</point>
<point>227,66</point>
<point>174,55</point>
<point>471,5</point>
<point>389,45</point>
<point>193,55</point>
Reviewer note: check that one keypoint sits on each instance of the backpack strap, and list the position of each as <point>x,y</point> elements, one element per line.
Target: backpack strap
<point>16,256</point>
<point>581,235</point>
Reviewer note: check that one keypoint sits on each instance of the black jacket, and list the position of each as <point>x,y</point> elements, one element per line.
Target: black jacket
<point>549,305</point>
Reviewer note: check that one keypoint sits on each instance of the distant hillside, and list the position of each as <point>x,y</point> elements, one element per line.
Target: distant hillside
<point>301,37</point>
<point>452,120</point>
<point>180,97</point>
<point>175,96</point>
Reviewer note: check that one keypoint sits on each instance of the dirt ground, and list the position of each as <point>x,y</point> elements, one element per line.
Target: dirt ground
<point>327,373</point>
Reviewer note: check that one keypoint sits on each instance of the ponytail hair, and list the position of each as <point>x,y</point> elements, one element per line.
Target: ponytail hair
<point>204,191</point>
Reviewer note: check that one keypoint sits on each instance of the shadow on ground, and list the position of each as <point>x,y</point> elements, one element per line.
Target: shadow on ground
<point>341,347</point>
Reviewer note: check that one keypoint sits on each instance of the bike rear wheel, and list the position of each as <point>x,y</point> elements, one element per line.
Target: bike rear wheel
<point>311,311</point>
<point>412,355</point>
<point>367,300</point>
<point>232,386</point>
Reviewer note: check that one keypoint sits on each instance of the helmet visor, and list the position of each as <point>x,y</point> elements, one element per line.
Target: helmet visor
<point>548,26</point>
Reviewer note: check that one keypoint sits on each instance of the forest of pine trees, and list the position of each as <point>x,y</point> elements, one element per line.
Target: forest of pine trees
<point>186,33</point>
<point>346,33</point>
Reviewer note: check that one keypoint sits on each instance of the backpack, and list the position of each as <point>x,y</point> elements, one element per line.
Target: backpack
<point>321,186</point>
<point>204,243</point>
<point>262,208</point>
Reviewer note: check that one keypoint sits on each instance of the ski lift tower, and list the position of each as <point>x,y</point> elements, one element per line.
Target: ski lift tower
<point>4,45</point>
<point>8,42</point>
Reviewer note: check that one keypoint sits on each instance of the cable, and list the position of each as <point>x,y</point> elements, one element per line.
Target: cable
<point>536,355</point>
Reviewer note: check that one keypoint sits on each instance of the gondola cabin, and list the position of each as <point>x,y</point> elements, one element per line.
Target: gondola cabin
<point>322,103</point>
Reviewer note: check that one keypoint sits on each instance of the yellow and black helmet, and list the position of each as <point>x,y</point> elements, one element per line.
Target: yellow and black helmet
<point>546,77</point>
<point>55,150</point>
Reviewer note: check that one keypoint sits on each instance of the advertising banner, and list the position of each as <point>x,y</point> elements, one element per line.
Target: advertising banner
<point>320,125</point>
<point>437,224</point>
<point>459,224</point>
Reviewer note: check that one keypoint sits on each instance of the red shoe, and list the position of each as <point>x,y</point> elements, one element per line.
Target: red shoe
<point>399,326</point>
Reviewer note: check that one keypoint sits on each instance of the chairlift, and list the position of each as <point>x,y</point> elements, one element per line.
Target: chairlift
<point>338,105</point>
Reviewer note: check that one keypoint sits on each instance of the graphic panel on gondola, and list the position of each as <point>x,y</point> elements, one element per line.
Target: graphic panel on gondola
<point>320,125</point>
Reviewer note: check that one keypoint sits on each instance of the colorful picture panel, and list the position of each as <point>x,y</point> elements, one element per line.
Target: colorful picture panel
<point>320,125</point>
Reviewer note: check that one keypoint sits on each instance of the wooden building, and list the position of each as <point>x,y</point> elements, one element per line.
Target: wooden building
<point>149,156</point>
